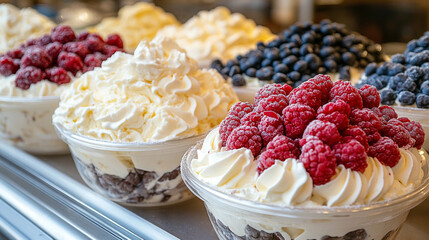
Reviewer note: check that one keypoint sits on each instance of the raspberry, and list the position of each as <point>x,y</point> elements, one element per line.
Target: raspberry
<point>63,34</point>
<point>280,148</point>
<point>240,109</point>
<point>351,154</point>
<point>335,112</point>
<point>365,119</point>
<point>94,43</point>
<point>345,91</point>
<point>54,49</point>
<point>8,66</point>
<point>296,117</point>
<point>388,112</point>
<point>115,40</point>
<point>93,60</point>
<point>76,47</point>
<point>356,133</point>
<point>416,131</point>
<point>247,137</point>
<point>395,130</point>
<point>270,126</point>
<point>370,96</point>
<point>275,103</point>
<point>373,138</point>
<point>110,50</point>
<point>83,36</point>
<point>325,131</point>
<point>268,90</point>
<point>27,76</point>
<point>43,40</point>
<point>16,53</point>
<point>58,75</point>
<point>251,119</point>
<point>386,151</point>
<point>227,125</point>
<point>37,57</point>
<point>70,62</point>
<point>319,161</point>
<point>324,83</point>
<point>307,94</point>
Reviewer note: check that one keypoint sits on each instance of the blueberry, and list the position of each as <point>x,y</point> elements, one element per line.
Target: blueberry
<point>412,45</point>
<point>281,68</point>
<point>253,61</point>
<point>305,49</point>
<point>326,51</point>
<point>419,59</point>
<point>239,57</point>
<point>290,61</point>
<point>387,96</point>
<point>398,58</point>
<point>414,73</point>
<point>244,64</point>
<point>280,78</point>
<point>408,56</point>
<point>313,61</point>
<point>425,65</point>
<point>297,83</point>
<point>408,85</point>
<point>284,52</point>
<point>422,101</point>
<point>294,51</point>
<point>396,69</point>
<point>300,66</point>
<point>307,37</point>
<point>357,50</point>
<point>231,63</point>
<point>326,29</point>
<point>296,39</point>
<point>315,27</point>
<point>424,88</point>
<point>330,65</point>
<point>329,40</point>
<point>349,40</point>
<point>325,21</point>
<point>384,80</point>
<point>275,43</point>
<point>397,80</point>
<point>370,69</point>
<point>233,71</point>
<point>260,45</point>
<point>406,98</point>
<point>286,34</point>
<point>238,80</point>
<point>423,41</point>
<point>374,81</point>
<point>336,56</point>
<point>305,77</point>
<point>345,73</point>
<point>294,76</point>
<point>426,33</point>
<point>348,58</point>
<point>225,71</point>
<point>383,69</point>
<point>296,28</point>
<point>265,73</point>
<point>266,62</point>
<point>251,72</point>
<point>217,64</point>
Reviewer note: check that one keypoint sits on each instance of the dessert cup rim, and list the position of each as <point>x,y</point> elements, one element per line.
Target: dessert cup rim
<point>421,110</point>
<point>69,136</point>
<point>196,186</point>
<point>29,99</point>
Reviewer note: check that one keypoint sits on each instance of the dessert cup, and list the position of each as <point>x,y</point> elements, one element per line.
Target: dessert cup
<point>27,124</point>
<point>135,174</point>
<point>419,115</point>
<point>237,218</point>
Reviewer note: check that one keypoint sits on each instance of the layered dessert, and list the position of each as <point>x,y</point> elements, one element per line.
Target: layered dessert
<point>217,34</point>
<point>19,25</point>
<point>33,76</point>
<point>135,23</point>
<point>134,117</point>
<point>323,154</point>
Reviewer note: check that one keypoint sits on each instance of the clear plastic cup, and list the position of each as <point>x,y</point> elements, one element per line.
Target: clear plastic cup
<point>136,174</point>
<point>420,115</point>
<point>237,218</point>
<point>27,124</point>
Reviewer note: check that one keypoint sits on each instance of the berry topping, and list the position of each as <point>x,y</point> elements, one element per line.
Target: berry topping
<point>307,94</point>
<point>110,50</point>
<point>115,40</point>
<point>275,103</point>
<point>247,137</point>
<point>27,76</point>
<point>37,57</point>
<point>324,84</point>
<point>16,53</point>
<point>63,34</point>
<point>365,119</point>
<point>280,148</point>
<point>58,75</point>
<point>335,112</point>
<point>296,117</point>
<point>351,154</point>
<point>356,133</point>
<point>270,89</point>
<point>94,43</point>
<point>54,49</point>
<point>227,125</point>
<point>416,131</point>
<point>327,132</point>
<point>271,125</point>
<point>8,66</point>
<point>76,47</point>
<point>395,130</point>
<point>370,96</point>
<point>92,61</point>
<point>386,151</point>
<point>70,62</point>
<point>345,91</point>
<point>240,109</point>
<point>251,119</point>
<point>319,161</point>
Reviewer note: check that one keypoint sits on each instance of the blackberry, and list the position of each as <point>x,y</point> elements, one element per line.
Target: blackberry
<point>406,97</point>
<point>387,96</point>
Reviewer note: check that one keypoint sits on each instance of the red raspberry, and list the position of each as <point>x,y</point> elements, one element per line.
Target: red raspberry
<point>110,50</point>
<point>296,117</point>
<point>115,40</point>
<point>356,133</point>
<point>58,75</point>
<point>345,91</point>
<point>16,53</point>
<point>27,76</point>
<point>373,138</point>
<point>70,62</point>
<point>325,131</point>
<point>351,154</point>
<point>43,40</point>
<point>319,161</point>
<point>94,43</point>
<point>251,119</point>
<point>54,49</point>
<point>275,103</point>
<point>306,94</point>
<point>247,137</point>
<point>63,34</point>
<point>8,66</point>
<point>83,36</point>
<point>37,57</point>
<point>365,119</point>
<point>395,130</point>
<point>416,131</point>
<point>335,112</point>
<point>280,148</point>
<point>76,47</point>
<point>370,96</point>
<point>268,90</point>
<point>240,109</point>
<point>385,113</point>
<point>303,141</point>
<point>386,151</point>
<point>271,125</point>
<point>324,83</point>
<point>226,126</point>
<point>93,60</point>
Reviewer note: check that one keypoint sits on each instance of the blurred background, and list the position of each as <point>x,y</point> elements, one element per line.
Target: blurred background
<point>390,22</point>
